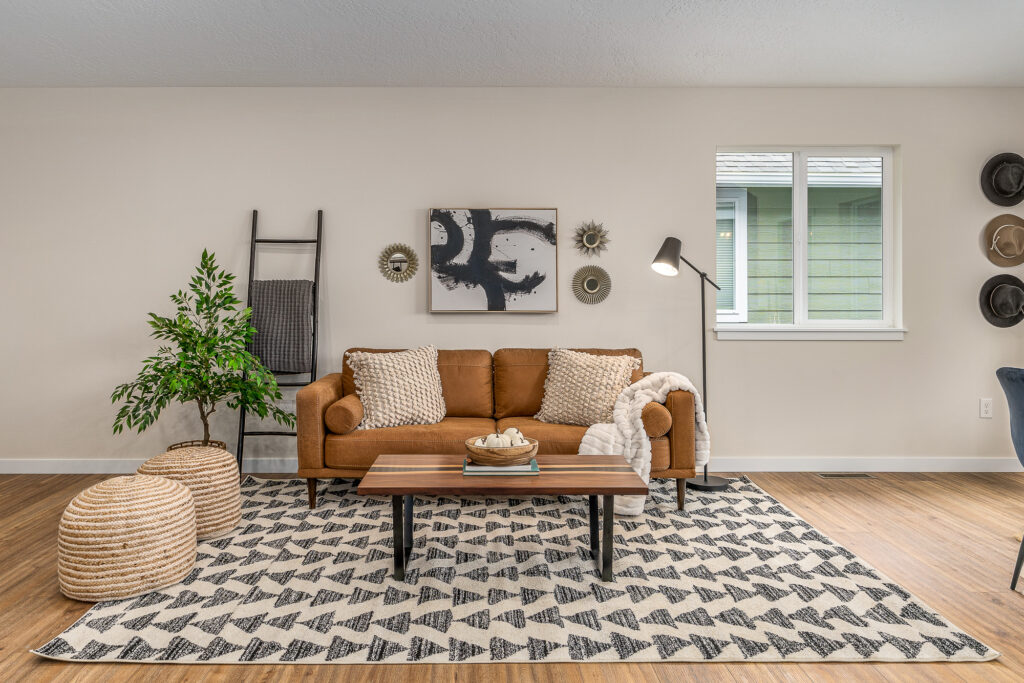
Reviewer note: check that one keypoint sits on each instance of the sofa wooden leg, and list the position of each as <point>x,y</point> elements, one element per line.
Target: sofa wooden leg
<point>681,492</point>
<point>311,485</point>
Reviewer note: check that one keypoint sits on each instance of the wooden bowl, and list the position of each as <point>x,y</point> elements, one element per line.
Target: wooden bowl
<point>500,457</point>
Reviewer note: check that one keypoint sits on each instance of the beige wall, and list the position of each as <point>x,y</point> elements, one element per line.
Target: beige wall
<point>107,197</point>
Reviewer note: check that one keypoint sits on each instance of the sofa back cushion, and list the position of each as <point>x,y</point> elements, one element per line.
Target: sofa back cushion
<point>519,376</point>
<point>465,381</point>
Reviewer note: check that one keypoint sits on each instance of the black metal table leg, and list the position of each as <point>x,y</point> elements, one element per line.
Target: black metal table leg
<point>606,542</point>
<point>595,540</point>
<point>397,521</point>
<point>408,529</point>
<point>407,500</point>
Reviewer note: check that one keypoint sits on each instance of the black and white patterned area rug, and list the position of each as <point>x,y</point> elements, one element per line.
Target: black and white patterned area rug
<point>737,577</point>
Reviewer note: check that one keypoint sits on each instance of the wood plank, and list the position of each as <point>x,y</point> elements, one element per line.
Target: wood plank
<point>844,302</point>
<point>396,475</point>
<point>770,285</point>
<point>769,250</point>
<point>769,268</point>
<point>858,230</point>
<point>769,302</point>
<point>773,317</point>
<point>844,251</point>
<point>838,284</point>
<point>865,268</point>
<point>768,671</point>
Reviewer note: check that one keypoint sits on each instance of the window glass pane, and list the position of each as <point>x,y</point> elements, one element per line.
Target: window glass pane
<point>767,179</point>
<point>725,240</point>
<point>844,238</point>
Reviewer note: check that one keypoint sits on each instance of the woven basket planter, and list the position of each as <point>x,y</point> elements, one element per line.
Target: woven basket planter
<point>212,476</point>
<point>124,537</point>
<point>198,442</point>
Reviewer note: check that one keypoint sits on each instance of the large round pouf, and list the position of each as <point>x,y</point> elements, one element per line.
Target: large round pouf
<point>212,475</point>
<point>124,537</point>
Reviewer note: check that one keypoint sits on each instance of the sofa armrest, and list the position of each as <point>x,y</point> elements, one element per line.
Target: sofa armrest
<point>311,404</point>
<point>681,437</point>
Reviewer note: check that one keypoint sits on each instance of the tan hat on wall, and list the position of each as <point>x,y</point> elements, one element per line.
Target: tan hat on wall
<point>1004,240</point>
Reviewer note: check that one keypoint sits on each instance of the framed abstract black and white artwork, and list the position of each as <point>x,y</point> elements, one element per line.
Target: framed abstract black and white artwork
<point>493,260</point>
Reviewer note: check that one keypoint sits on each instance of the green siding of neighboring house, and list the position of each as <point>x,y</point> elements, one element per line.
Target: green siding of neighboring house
<point>844,254</point>
<point>844,278</point>
<point>769,255</point>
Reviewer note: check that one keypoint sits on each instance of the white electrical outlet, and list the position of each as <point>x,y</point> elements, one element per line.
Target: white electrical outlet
<point>985,408</point>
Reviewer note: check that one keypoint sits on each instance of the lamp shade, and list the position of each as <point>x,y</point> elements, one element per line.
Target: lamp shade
<point>667,260</point>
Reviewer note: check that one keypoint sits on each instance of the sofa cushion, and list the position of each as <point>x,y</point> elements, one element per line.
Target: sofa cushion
<point>565,439</point>
<point>345,415</point>
<point>554,438</point>
<point>360,448</point>
<point>581,388</point>
<point>519,376</point>
<point>401,388</point>
<point>465,380</point>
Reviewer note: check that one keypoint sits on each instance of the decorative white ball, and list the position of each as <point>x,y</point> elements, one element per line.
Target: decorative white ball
<point>516,437</point>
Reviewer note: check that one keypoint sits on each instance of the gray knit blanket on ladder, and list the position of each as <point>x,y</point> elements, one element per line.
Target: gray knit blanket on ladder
<point>282,313</point>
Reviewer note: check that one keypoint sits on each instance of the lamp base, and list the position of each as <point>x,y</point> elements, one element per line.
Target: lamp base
<point>708,483</point>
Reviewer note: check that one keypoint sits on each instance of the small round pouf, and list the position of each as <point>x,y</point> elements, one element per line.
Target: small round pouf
<point>124,537</point>
<point>212,475</point>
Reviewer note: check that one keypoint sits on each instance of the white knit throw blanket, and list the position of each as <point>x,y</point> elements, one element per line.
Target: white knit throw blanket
<point>626,434</point>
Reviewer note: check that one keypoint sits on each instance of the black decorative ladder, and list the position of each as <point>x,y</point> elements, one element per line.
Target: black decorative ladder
<point>318,241</point>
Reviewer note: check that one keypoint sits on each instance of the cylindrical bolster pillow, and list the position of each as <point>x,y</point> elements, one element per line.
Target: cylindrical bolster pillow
<point>656,418</point>
<point>345,415</point>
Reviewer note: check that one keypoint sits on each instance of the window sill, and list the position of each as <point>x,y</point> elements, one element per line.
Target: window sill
<point>788,332</point>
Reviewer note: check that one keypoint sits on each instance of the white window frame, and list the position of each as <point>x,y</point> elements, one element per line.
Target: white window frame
<point>738,198</point>
<point>890,327</point>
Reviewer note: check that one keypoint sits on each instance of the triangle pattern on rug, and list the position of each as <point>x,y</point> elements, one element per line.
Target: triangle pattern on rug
<point>736,577</point>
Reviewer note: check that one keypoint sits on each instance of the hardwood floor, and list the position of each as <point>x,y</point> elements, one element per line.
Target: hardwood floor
<point>948,538</point>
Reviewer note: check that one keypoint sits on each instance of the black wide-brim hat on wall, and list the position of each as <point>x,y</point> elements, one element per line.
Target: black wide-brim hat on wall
<point>1002,300</point>
<point>1002,179</point>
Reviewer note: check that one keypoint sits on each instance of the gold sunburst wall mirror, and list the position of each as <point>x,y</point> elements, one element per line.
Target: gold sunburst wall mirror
<point>591,238</point>
<point>398,262</point>
<point>591,284</point>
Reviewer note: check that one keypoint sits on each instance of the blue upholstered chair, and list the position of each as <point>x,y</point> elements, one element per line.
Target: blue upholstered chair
<point>1012,380</point>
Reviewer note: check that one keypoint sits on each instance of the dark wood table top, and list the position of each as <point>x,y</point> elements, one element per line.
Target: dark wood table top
<point>400,475</point>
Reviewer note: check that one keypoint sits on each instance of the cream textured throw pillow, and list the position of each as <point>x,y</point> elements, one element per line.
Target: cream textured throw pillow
<point>581,388</point>
<point>402,388</point>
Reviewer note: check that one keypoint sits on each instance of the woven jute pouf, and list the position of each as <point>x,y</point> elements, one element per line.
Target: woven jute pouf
<point>212,475</point>
<point>124,537</point>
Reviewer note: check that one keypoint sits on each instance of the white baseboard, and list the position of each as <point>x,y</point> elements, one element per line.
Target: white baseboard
<point>867,463</point>
<point>740,463</point>
<point>112,466</point>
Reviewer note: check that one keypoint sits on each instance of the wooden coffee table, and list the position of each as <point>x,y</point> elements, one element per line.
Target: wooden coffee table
<point>403,476</point>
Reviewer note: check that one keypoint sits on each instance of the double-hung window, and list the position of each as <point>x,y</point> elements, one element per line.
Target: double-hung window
<point>807,244</point>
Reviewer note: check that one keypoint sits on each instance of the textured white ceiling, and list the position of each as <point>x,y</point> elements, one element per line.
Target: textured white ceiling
<point>512,42</point>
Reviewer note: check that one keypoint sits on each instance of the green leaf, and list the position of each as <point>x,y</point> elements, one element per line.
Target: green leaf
<point>203,361</point>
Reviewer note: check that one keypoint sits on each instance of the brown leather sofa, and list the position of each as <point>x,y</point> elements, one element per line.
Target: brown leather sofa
<point>483,393</point>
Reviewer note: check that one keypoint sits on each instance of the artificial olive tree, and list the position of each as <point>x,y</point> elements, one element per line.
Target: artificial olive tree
<point>204,359</point>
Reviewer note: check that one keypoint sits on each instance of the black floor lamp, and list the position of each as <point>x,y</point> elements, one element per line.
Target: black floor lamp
<point>667,263</point>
